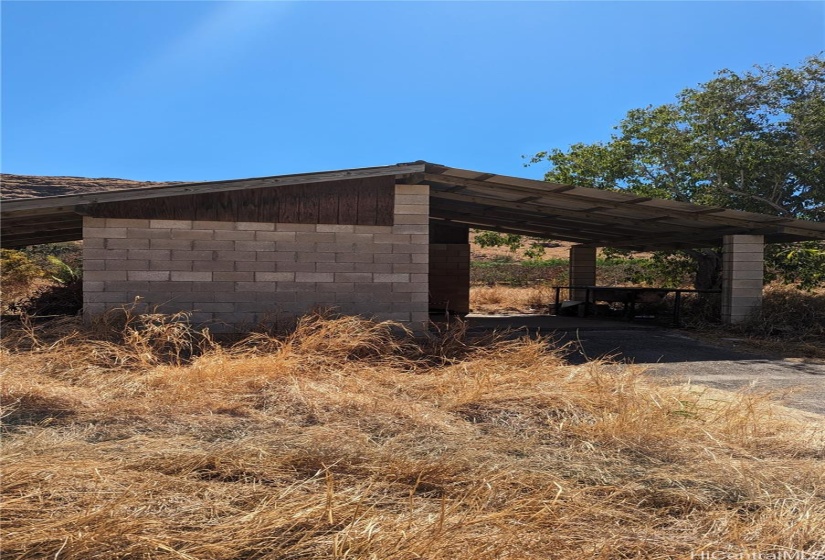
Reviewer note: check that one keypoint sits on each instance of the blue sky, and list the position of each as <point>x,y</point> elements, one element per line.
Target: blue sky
<point>214,90</point>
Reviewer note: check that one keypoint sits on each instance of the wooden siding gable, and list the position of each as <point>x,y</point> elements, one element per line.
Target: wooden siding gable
<point>361,201</point>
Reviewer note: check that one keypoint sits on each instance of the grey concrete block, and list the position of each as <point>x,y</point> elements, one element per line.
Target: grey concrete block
<point>278,256</point>
<point>411,219</point>
<point>423,229</point>
<point>236,256</point>
<point>170,265</point>
<point>314,277</point>
<point>335,228</point>
<point>213,225</point>
<point>282,236</point>
<point>170,224</point>
<point>220,276</point>
<point>334,247</point>
<point>89,222</point>
<point>316,257</point>
<point>373,229</point>
<point>177,244</point>
<point>255,266</point>
<point>236,235</point>
<point>183,276</point>
<point>93,286</point>
<point>380,278</point>
<point>334,267</point>
<point>202,234</point>
<point>254,226</point>
<point>267,246</point>
<point>353,277</point>
<point>295,227</point>
<point>412,189</point>
<point>416,200</point>
<point>314,237</point>
<point>274,276</point>
<point>255,286</point>
<point>335,287</point>
<point>94,264</point>
<point>122,265</point>
<point>393,258</point>
<point>354,257</point>
<point>410,287</point>
<point>104,275</point>
<point>294,267</point>
<point>150,254</point>
<point>212,266</point>
<point>148,275</point>
<point>374,248</point>
<point>111,233</point>
<point>94,243</point>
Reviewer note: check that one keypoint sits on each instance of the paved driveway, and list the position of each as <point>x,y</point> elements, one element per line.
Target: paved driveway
<point>672,354</point>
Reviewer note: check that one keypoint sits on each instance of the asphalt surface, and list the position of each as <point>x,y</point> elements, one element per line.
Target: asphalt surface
<point>672,354</point>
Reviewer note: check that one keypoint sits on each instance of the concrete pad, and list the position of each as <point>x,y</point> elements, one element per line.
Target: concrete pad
<point>673,356</point>
<point>547,323</point>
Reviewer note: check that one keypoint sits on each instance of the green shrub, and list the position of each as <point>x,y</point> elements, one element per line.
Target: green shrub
<point>17,270</point>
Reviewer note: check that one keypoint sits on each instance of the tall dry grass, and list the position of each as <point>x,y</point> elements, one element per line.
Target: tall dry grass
<point>349,439</point>
<point>507,299</point>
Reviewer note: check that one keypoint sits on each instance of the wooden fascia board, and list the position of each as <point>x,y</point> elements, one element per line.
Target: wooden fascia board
<point>56,236</point>
<point>71,201</point>
<point>807,234</point>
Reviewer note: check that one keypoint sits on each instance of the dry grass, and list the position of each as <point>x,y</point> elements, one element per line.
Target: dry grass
<point>348,439</point>
<point>507,299</point>
<point>791,324</point>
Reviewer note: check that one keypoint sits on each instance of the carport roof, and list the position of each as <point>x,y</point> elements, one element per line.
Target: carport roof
<point>481,200</point>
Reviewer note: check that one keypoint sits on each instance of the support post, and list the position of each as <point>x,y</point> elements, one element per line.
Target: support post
<point>742,276</point>
<point>582,270</point>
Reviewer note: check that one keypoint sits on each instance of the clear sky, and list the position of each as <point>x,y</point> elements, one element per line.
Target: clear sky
<point>213,90</point>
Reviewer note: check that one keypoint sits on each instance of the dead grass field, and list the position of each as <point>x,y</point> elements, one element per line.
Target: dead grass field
<point>348,440</point>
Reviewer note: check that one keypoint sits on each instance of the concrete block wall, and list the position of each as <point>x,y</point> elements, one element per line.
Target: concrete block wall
<point>450,277</point>
<point>742,276</point>
<point>238,274</point>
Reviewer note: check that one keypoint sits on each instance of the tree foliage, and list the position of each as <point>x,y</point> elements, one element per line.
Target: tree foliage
<point>750,141</point>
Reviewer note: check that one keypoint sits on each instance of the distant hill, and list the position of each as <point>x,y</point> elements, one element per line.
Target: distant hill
<point>35,186</point>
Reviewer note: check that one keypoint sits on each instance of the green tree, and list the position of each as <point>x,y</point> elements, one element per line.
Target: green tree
<point>753,141</point>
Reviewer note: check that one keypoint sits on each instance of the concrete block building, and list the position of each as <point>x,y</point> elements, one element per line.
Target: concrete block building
<point>388,242</point>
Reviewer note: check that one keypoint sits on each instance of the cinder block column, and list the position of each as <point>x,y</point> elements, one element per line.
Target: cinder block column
<point>742,276</point>
<point>582,269</point>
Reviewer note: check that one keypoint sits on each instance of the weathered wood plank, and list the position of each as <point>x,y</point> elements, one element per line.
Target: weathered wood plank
<point>308,198</point>
<point>385,203</point>
<point>328,197</point>
<point>367,204</point>
<point>348,204</point>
